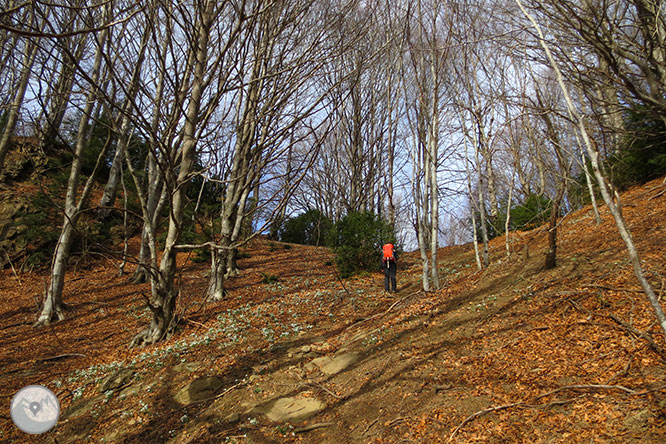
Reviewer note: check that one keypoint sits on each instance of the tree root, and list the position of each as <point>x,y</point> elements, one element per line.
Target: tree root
<point>549,404</point>
<point>145,337</point>
<point>139,276</point>
<point>313,427</point>
<point>46,319</point>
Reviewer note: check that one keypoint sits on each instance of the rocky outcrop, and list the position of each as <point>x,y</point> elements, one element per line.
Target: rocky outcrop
<point>13,239</point>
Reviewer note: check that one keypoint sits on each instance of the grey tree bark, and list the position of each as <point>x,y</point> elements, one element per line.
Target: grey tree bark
<point>29,52</point>
<point>603,186</point>
<point>164,293</point>
<point>52,308</point>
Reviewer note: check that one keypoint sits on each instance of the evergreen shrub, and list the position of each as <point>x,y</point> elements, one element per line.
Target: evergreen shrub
<point>356,240</point>
<point>309,228</point>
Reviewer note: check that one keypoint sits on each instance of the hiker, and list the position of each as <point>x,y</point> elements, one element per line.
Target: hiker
<point>389,258</point>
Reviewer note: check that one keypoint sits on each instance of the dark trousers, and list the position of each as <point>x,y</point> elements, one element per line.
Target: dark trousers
<point>389,276</point>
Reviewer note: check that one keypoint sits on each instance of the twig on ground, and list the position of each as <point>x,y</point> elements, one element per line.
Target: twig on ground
<point>623,372</point>
<point>442,388</point>
<point>561,401</point>
<point>606,287</point>
<point>637,333</point>
<point>397,420</point>
<point>314,384</point>
<point>9,259</point>
<point>52,331</point>
<point>223,393</point>
<point>482,412</point>
<point>377,315</point>
<point>335,269</point>
<point>657,195</point>
<point>589,386</point>
<point>372,423</point>
<point>549,404</point>
<point>65,355</point>
<point>193,322</point>
<point>313,427</point>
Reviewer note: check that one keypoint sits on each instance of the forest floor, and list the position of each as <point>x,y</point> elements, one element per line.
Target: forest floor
<point>510,354</point>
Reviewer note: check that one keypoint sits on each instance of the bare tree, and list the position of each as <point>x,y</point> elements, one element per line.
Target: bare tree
<point>125,115</point>
<point>30,47</point>
<point>428,52</point>
<point>601,179</point>
<point>271,115</point>
<point>53,307</point>
<point>197,76</point>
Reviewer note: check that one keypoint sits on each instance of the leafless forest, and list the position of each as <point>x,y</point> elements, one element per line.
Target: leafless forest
<point>438,115</point>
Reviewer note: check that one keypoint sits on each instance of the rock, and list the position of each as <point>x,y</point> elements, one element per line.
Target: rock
<point>199,390</point>
<point>291,409</point>
<point>322,348</point>
<point>117,380</point>
<point>331,365</point>
<point>638,421</point>
<point>187,367</point>
<point>82,407</point>
<point>233,418</point>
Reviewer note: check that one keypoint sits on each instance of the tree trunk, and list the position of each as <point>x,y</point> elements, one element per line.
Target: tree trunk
<point>156,187</point>
<point>52,309</point>
<point>239,183</point>
<point>164,294</point>
<point>434,195</point>
<point>590,190</point>
<point>594,157</point>
<point>30,51</point>
<point>111,187</point>
<point>482,207</point>
<point>61,94</point>
<point>507,223</point>
<point>551,255</point>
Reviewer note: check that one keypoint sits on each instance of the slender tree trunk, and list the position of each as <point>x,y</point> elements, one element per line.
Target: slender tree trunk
<point>590,190</point>
<point>61,94</point>
<point>53,309</point>
<point>165,294</point>
<point>29,53</point>
<point>551,255</point>
<point>239,182</point>
<point>111,187</point>
<point>482,207</point>
<point>420,209</point>
<point>156,186</point>
<point>603,187</point>
<point>434,195</point>
<point>507,223</point>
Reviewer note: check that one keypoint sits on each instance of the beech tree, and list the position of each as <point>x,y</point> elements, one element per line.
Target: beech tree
<point>604,187</point>
<point>425,89</point>
<point>201,69</point>
<point>271,115</point>
<point>29,47</point>
<point>52,308</point>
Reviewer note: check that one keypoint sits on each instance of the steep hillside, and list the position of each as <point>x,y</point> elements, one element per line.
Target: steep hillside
<point>510,354</point>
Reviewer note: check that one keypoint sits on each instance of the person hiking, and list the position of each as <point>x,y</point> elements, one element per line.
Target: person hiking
<point>389,258</point>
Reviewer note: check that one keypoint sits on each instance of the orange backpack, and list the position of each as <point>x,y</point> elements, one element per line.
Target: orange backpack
<point>388,252</point>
